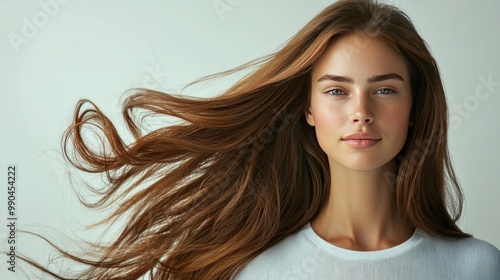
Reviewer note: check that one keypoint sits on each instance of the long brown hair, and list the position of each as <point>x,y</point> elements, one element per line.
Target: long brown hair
<point>243,170</point>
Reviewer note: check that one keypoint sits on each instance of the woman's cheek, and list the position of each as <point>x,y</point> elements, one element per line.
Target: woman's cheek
<point>328,127</point>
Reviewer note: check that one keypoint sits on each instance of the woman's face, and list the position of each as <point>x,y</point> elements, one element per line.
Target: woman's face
<point>360,102</point>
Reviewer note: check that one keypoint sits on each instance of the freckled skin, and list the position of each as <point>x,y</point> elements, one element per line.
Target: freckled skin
<point>339,109</point>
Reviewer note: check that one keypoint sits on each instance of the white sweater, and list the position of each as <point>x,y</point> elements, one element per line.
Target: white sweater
<point>305,255</point>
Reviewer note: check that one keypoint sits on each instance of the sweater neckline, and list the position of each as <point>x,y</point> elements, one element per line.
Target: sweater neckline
<point>370,255</point>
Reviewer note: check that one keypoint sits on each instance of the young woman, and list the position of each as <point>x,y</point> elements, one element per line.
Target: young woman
<point>329,161</point>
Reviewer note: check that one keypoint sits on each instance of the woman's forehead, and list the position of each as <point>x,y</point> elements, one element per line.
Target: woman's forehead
<point>360,54</point>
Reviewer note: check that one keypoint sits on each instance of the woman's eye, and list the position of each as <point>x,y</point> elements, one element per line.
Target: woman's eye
<point>335,92</point>
<point>385,91</point>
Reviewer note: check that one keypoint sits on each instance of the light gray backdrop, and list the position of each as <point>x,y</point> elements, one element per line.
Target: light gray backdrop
<point>53,52</point>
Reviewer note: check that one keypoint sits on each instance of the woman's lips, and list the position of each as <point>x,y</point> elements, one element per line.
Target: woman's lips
<point>361,143</point>
<point>361,140</point>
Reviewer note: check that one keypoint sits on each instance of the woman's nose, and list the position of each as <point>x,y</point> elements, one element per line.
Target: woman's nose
<point>361,110</point>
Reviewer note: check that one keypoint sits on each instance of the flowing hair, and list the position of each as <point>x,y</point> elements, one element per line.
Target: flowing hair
<point>243,170</point>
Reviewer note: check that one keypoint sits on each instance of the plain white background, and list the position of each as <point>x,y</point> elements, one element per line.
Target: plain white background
<point>53,53</point>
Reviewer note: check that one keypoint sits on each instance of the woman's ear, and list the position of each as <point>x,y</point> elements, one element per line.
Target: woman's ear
<point>309,116</point>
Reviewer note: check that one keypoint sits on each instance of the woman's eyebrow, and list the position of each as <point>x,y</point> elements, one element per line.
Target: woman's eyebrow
<point>372,79</point>
<point>378,78</point>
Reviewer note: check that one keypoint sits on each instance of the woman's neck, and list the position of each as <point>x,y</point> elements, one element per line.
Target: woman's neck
<point>360,212</point>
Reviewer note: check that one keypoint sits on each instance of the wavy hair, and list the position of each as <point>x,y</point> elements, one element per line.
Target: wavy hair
<point>243,170</point>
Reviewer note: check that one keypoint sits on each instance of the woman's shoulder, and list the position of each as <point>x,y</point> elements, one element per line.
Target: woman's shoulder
<point>455,245</point>
<point>293,251</point>
<point>471,253</point>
